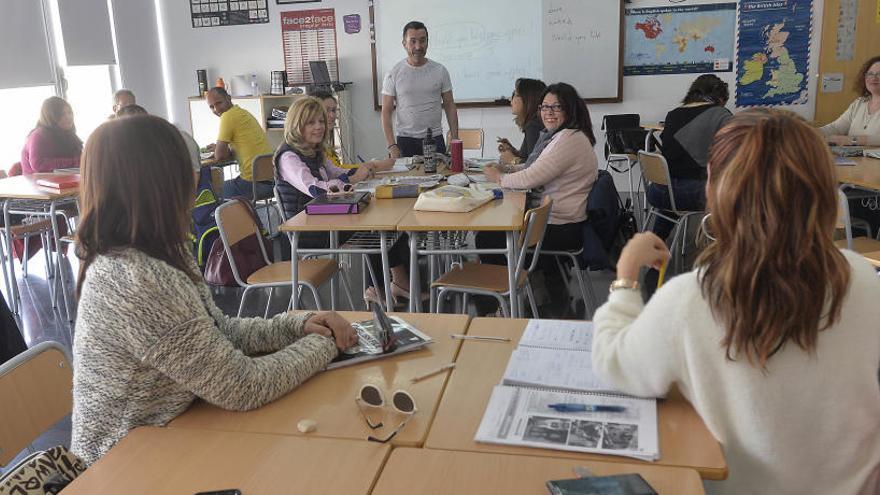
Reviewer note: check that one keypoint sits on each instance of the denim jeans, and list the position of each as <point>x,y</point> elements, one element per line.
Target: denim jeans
<point>240,187</point>
<point>690,195</point>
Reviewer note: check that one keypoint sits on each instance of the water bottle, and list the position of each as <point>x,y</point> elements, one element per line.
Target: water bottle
<point>255,86</point>
<point>428,150</point>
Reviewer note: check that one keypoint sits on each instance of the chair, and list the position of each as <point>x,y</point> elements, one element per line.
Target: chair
<point>491,280</point>
<point>624,137</point>
<point>471,139</point>
<point>36,390</point>
<point>235,223</point>
<point>655,170</point>
<point>263,171</point>
<point>867,247</point>
<point>576,273</point>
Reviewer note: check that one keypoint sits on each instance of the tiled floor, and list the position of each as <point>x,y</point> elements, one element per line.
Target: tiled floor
<point>39,321</point>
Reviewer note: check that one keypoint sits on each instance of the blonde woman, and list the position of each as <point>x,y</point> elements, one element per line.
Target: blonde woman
<point>303,171</point>
<point>773,338</point>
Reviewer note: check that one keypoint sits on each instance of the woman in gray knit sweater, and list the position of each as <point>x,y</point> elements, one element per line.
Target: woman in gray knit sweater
<point>149,339</point>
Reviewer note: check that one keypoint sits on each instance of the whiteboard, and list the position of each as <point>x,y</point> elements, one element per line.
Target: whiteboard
<point>487,44</point>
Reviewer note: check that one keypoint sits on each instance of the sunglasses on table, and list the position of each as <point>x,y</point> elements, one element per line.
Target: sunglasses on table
<point>371,396</point>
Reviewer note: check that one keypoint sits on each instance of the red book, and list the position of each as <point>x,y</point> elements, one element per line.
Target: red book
<point>59,181</point>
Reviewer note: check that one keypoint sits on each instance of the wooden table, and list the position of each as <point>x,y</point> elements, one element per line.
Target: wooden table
<point>21,193</point>
<point>497,215</point>
<point>171,460</point>
<point>684,439</point>
<point>382,216</point>
<point>865,173</point>
<point>438,472</point>
<point>329,397</point>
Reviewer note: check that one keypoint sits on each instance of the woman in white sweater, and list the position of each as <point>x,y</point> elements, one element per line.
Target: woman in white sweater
<point>149,339</point>
<point>774,337</point>
<point>860,123</point>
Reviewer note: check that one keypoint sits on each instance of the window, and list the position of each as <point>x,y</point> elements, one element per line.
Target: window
<point>22,108</point>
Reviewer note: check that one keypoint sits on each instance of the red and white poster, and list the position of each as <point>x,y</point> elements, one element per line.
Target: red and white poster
<point>309,35</point>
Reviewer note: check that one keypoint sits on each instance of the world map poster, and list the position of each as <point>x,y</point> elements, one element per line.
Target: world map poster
<point>679,39</point>
<point>773,52</point>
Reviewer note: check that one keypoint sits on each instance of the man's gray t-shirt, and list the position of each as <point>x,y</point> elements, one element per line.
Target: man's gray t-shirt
<point>417,90</point>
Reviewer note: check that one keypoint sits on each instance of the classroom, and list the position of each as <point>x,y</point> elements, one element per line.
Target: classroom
<point>392,247</point>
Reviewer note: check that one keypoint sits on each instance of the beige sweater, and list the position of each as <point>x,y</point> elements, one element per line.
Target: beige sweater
<point>149,341</point>
<point>809,425</point>
<point>567,168</point>
<point>856,121</point>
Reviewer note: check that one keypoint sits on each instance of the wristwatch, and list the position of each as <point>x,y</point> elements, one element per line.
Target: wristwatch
<point>624,283</point>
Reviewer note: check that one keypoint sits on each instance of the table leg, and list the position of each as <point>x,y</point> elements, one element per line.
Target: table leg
<point>11,283</point>
<point>294,270</point>
<point>413,272</point>
<point>59,274</point>
<point>386,271</point>
<point>511,273</point>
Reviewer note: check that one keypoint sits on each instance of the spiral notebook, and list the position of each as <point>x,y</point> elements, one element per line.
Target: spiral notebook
<point>551,365</point>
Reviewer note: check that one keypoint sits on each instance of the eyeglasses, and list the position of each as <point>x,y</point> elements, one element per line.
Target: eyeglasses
<point>872,74</point>
<point>371,396</point>
<point>555,108</point>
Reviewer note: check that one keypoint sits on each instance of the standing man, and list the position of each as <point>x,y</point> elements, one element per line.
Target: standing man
<point>239,133</point>
<point>122,98</point>
<point>419,87</point>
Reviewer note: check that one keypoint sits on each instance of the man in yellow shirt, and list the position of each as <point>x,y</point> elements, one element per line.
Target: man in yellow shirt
<point>239,133</point>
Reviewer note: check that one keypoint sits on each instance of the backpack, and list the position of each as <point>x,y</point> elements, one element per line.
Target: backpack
<point>204,227</point>
<point>247,253</point>
<point>610,224</point>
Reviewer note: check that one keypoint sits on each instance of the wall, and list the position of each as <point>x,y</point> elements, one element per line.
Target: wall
<point>137,45</point>
<point>226,51</point>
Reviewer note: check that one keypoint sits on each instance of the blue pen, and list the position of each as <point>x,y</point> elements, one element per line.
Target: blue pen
<point>361,159</point>
<point>585,408</point>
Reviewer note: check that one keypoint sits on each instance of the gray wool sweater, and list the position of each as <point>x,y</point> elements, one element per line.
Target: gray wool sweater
<point>149,341</point>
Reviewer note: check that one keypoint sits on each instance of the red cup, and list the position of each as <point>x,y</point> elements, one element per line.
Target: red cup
<point>456,148</point>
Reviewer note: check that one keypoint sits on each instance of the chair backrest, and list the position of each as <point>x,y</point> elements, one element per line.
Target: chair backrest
<point>471,139</point>
<point>532,236</point>
<point>618,121</point>
<point>217,181</point>
<point>235,222</point>
<point>655,170</point>
<point>264,170</point>
<point>843,218</point>
<point>36,390</point>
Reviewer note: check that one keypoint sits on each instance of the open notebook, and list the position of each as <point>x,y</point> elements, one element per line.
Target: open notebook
<point>552,365</point>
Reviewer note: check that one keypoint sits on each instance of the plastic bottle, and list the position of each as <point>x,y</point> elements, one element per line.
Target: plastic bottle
<point>428,149</point>
<point>255,86</point>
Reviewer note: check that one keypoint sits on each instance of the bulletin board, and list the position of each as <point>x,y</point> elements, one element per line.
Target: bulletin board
<point>837,59</point>
<point>214,13</point>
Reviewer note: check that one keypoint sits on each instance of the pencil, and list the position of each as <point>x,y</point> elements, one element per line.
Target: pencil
<point>479,337</point>
<point>662,273</point>
<point>432,372</point>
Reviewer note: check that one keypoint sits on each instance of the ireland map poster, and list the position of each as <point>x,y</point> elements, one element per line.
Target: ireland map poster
<point>773,52</point>
<point>679,39</point>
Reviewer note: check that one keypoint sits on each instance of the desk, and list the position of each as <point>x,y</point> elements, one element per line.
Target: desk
<point>684,439</point>
<point>865,173</point>
<point>380,216</point>
<point>328,397</point>
<point>21,194</point>
<point>440,472</point>
<point>166,460</point>
<point>504,215</point>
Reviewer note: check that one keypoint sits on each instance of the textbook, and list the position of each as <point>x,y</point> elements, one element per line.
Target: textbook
<point>621,484</point>
<point>59,181</point>
<point>550,398</point>
<point>381,337</point>
<point>335,204</point>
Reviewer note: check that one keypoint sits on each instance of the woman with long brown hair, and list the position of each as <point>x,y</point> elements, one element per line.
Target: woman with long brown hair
<point>524,102</point>
<point>53,142</point>
<point>774,337</point>
<point>149,339</point>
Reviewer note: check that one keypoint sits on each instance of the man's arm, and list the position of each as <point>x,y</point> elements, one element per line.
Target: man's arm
<point>222,151</point>
<point>451,113</point>
<point>387,127</point>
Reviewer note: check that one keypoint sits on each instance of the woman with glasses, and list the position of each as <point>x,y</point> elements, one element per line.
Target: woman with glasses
<point>773,337</point>
<point>53,142</point>
<point>859,125</point>
<point>524,103</point>
<point>149,339</point>
<point>303,171</point>
<point>563,164</point>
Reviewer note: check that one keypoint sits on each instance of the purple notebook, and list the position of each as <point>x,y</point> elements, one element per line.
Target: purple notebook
<point>338,204</point>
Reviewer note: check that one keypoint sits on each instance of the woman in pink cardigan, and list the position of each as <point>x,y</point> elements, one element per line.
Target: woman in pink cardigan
<point>53,143</point>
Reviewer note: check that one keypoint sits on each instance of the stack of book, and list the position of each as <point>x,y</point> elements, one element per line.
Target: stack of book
<point>59,182</point>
